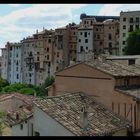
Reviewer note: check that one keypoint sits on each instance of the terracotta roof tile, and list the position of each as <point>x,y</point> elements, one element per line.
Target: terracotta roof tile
<point>66,109</point>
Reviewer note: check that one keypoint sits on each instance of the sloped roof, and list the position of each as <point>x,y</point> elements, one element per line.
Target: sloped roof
<point>134,92</point>
<point>110,67</point>
<point>66,109</point>
<point>28,99</point>
<point>115,68</point>
<point>24,113</point>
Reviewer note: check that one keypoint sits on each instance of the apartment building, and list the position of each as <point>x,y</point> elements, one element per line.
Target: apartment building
<point>129,21</point>
<point>4,63</point>
<point>85,44</point>
<point>65,45</point>
<point>31,60</point>
<point>11,62</point>
<point>38,53</point>
<point>111,37</point>
<point>106,33</point>
<point>73,35</point>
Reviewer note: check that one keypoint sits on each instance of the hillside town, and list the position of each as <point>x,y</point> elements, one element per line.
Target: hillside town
<point>96,86</point>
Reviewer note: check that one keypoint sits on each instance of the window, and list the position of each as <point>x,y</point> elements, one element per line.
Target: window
<point>110,45</point>
<point>123,43</point>
<point>81,49</point>
<point>85,34</point>
<point>124,19</point>
<point>49,64</point>
<point>21,126</point>
<point>137,26</point>
<point>86,40</point>
<point>137,19</point>
<point>37,133</point>
<point>101,43</point>
<point>109,27</point>
<point>16,55</point>
<point>16,68</point>
<point>48,57</point>
<point>131,28</point>
<point>79,40</point>
<point>131,20</point>
<point>124,34</point>
<point>73,33</point>
<point>109,36</point>
<point>47,49</point>
<point>86,48</point>
<point>131,62</point>
<point>57,68</point>
<point>37,52</point>
<point>37,58</point>
<point>17,76</point>
<point>124,27</point>
<point>30,75</point>
<point>17,63</point>
<point>81,33</point>
<point>98,36</point>
<point>57,54</point>
<point>49,41</point>
<point>88,33</point>
<point>96,29</point>
<point>10,48</point>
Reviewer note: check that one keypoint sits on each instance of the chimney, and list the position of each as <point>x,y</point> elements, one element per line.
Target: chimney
<point>84,118</point>
<point>36,31</point>
<point>17,116</point>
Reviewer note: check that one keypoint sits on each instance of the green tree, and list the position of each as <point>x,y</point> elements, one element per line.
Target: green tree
<point>133,43</point>
<point>41,90</point>
<point>3,83</point>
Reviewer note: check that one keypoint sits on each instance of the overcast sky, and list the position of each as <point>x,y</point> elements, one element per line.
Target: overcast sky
<point>22,20</point>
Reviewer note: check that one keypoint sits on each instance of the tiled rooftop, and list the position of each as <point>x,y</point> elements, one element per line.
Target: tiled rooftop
<point>66,109</point>
<point>132,92</point>
<point>23,113</point>
<point>28,99</point>
<point>115,68</point>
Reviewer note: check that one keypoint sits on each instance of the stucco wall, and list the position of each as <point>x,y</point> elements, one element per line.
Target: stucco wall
<point>26,131</point>
<point>47,126</point>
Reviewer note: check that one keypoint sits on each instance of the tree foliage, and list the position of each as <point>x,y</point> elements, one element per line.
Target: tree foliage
<point>42,91</point>
<point>133,43</point>
<point>29,89</point>
<point>3,83</point>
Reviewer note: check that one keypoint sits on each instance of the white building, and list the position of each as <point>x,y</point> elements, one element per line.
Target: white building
<point>129,21</point>
<point>11,63</point>
<point>18,109</point>
<point>14,63</point>
<point>85,43</point>
<point>4,63</point>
